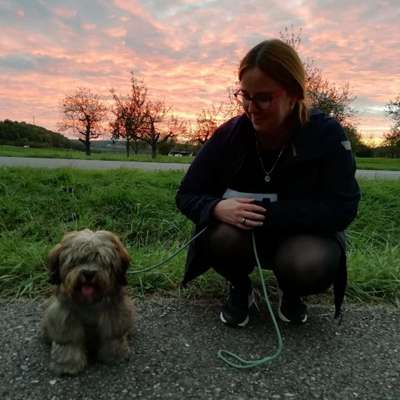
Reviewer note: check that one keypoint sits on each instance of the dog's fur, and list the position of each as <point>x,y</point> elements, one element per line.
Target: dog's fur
<point>90,314</point>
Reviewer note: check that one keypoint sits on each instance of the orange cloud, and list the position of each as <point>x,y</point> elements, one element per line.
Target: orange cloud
<point>187,51</point>
<point>89,27</point>
<point>64,12</point>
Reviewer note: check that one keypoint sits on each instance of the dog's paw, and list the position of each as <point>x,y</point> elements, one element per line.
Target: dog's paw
<point>114,351</point>
<point>67,359</point>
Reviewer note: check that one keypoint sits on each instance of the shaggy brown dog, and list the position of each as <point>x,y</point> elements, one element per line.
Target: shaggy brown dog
<point>90,314</point>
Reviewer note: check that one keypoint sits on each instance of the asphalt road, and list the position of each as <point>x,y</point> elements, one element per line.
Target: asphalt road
<point>148,166</point>
<point>173,356</point>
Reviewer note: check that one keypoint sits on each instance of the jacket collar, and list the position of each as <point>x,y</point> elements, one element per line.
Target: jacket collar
<point>308,142</point>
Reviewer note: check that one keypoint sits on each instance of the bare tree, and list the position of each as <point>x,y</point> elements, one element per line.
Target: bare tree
<point>83,113</point>
<point>232,108</point>
<point>393,111</point>
<point>155,130</point>
<point>321,93</point>
<point>332,100</point>
<point>292,37</point>
<point>180,128</point>
<point>129,114</point>
<point>207,122</point>
<point>208,119</point>
<point>392,139</point>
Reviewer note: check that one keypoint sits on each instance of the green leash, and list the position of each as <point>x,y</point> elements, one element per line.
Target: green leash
<point>224,354</point>
<point>171,256</point>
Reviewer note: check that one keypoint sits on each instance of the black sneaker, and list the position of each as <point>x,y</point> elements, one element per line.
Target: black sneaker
<point>235,311</point>
<point>291,309</point>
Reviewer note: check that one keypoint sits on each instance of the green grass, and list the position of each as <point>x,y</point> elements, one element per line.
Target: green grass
<point>15,151</point>
<point>392,164</point>
<point>37,206</point>
<point>374,238</point>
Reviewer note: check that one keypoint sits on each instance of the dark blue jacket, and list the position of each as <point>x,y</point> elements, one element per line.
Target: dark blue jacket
<point>315,183</point>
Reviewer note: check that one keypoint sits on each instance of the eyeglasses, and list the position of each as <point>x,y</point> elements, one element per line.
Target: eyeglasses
<point>261,100</point>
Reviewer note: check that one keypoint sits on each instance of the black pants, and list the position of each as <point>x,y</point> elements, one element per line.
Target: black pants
<point>303,263</point>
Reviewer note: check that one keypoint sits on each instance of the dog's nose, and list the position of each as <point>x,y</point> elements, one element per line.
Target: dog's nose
<point>88,274</point>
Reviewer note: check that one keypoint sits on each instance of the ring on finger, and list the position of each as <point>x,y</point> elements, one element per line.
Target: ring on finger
<point>243,221</point>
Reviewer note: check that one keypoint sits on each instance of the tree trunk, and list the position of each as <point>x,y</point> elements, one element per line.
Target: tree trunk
<point>136,146</point>
<point>87,141</point>
<point>128,145</point>
<point>87,146</point>
<point>153,150</point>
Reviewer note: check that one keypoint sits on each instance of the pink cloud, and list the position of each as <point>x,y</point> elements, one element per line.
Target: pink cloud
<point>117,32</point>
<point>64,12</point>
<point>188,66</point>
<point>89,27</point>
<point>133,7</point>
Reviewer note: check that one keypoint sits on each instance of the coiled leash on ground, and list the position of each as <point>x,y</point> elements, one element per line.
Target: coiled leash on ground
<point>224,354</point>
<point>255,363</point>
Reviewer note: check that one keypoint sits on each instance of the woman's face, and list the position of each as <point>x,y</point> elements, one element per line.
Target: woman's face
<point>271,106</point>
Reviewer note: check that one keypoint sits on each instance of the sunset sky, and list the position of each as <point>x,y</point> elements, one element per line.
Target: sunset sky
<point>187,51</point>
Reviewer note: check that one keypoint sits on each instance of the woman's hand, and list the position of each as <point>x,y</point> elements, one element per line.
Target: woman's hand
<point>240,212</point>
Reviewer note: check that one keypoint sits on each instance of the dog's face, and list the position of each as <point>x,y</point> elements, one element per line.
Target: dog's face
<point>88,265</point>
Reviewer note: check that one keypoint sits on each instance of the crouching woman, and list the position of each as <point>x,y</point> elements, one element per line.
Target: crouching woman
<point>281,171</point>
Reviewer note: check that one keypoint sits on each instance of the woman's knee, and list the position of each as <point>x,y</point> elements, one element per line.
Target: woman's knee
<point>307,263</point>
<point>227,241</point>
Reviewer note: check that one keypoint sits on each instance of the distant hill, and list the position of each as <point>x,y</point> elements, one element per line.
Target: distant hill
<point>22,134</point>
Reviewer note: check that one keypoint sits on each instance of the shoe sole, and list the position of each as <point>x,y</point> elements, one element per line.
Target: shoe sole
<point>241,324</point>
<point>282,317</point>
<point>252,301</point>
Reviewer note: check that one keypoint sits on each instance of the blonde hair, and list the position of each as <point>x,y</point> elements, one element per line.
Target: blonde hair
<point>280,62</point>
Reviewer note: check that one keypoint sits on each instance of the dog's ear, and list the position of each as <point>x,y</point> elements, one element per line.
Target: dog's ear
<point>124,261</point>
<point>53,265</point>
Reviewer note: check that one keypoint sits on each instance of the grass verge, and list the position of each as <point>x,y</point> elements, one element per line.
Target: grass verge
<point>37,206</point>
<point>378,163</point>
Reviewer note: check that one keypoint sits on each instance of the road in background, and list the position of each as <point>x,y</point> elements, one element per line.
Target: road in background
<point>147,166</point>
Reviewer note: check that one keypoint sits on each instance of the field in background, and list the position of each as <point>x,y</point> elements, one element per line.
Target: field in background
<point>390,164</point>
<point>37,206</point>
<point>12,151</point>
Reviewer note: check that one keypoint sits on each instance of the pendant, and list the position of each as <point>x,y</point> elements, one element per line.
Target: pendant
<point>267,179</point>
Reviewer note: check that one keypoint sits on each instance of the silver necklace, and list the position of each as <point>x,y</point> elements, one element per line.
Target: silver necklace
<point>267,177</point>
